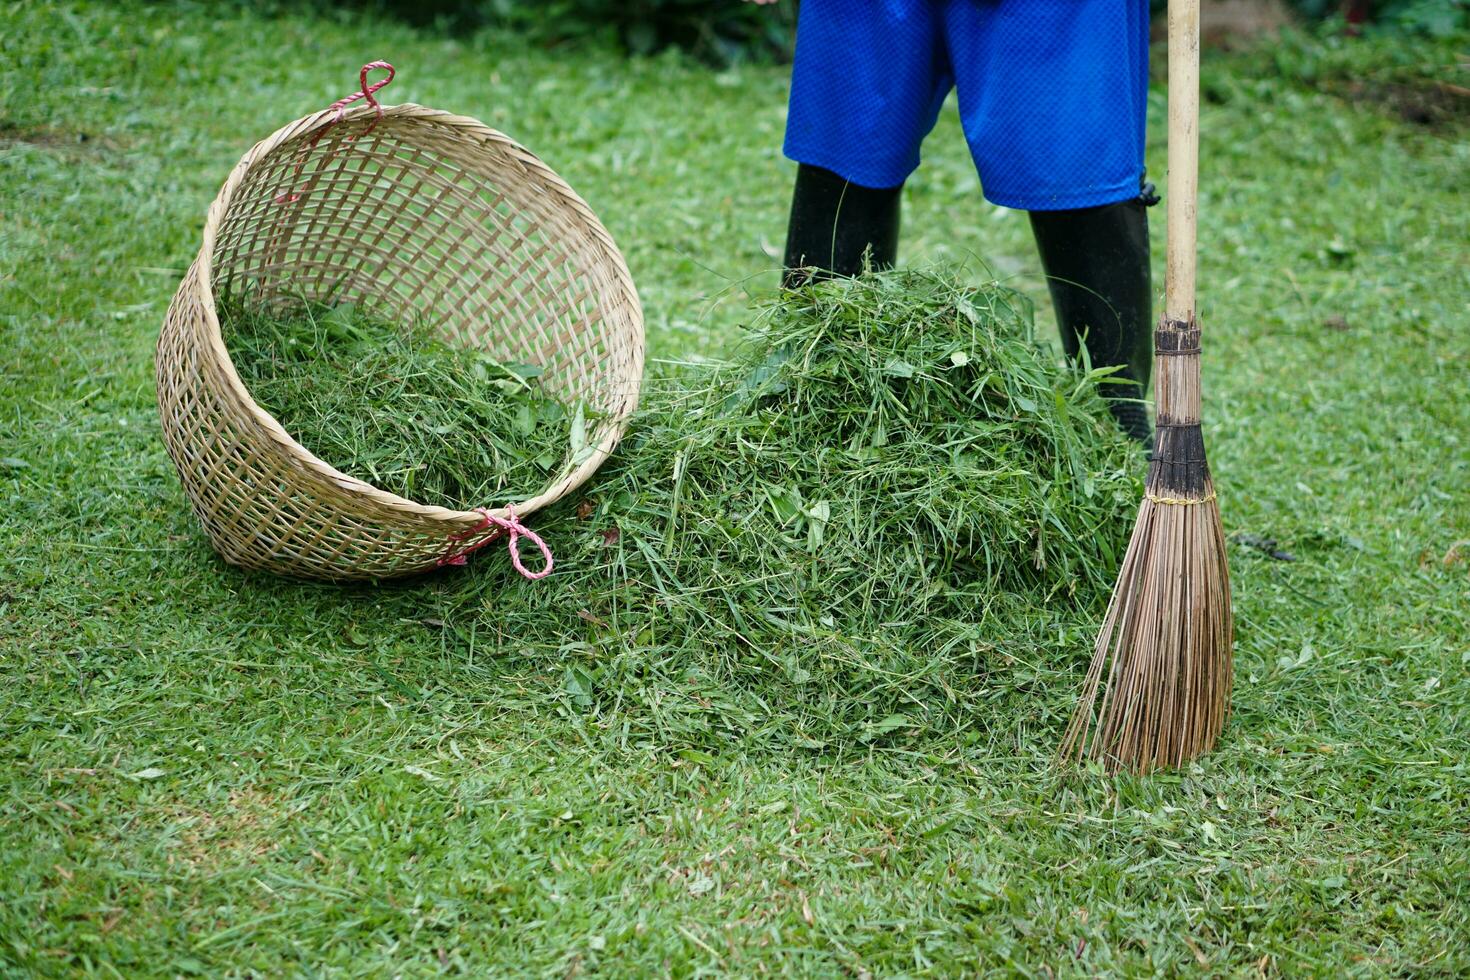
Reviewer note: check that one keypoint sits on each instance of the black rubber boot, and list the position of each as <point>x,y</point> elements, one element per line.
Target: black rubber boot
<point>1096,262</point>
<point>834,223</point>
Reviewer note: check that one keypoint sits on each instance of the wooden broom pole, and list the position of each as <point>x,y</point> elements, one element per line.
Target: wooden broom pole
<point>1181,185</point>
<point>1167,636</point>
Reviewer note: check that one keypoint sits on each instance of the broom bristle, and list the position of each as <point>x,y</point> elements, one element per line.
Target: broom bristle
<point>1167,638</point>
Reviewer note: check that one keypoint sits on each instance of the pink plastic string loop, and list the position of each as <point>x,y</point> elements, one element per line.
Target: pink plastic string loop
<point>514,529</point>
<point>338,110</point>
<point>365,91</point>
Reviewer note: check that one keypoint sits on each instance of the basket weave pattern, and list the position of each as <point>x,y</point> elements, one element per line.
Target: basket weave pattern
<point>416,215</point>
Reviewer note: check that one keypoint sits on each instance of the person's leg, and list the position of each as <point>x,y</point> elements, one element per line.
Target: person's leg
<point>1052,96</point>
<point>837,225</point>
<point>869,79</point>
<point>1097,268</point>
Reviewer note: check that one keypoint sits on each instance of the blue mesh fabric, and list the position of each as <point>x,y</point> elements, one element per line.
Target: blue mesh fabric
<point>1052,93</point>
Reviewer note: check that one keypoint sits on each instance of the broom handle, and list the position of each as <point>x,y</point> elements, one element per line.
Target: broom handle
<point>1182,185</point>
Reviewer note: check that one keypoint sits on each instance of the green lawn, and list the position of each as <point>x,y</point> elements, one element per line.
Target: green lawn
<point>204,771</point>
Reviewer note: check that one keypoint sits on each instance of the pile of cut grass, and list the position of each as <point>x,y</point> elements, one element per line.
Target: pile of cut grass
<point>890,489</point>
<point>835,535</point>
<point>391,405</point>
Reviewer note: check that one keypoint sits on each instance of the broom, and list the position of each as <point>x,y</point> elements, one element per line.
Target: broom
<point>1166,639</point>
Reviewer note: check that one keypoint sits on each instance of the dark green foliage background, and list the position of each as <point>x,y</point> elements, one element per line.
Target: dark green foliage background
<point>717,31</point>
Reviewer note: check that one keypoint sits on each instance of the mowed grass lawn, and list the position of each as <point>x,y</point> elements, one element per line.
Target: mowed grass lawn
<point>205,771</point>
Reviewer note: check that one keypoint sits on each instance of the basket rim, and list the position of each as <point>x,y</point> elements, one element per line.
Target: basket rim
<point>612,430</point>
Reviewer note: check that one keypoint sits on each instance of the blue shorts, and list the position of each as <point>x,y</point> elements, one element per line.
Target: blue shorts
<point>1052,93</point>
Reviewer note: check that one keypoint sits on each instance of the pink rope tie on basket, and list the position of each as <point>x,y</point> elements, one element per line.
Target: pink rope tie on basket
<point>510,524</point>
<point>338,110</point>
<point>365,91</point>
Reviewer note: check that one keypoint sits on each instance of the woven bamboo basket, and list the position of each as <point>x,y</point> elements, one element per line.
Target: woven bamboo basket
<point>416,214</point>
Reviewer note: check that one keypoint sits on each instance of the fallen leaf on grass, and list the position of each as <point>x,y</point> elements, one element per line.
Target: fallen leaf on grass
<point>1263,544</point>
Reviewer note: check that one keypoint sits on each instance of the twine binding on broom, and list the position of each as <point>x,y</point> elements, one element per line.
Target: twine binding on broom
<point>1179,501</point>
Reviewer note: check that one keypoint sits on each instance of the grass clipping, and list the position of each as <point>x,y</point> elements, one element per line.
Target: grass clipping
<point>391,405</point>
<point>889,490</point>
